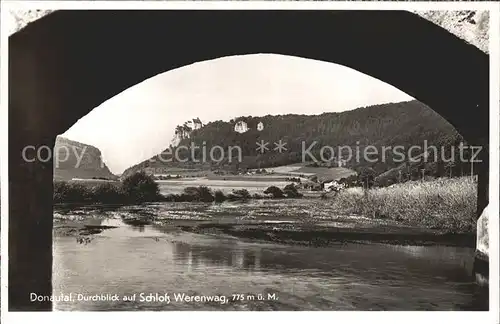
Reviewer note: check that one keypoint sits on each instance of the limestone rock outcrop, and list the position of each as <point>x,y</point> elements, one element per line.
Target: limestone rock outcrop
<point>77,160</point>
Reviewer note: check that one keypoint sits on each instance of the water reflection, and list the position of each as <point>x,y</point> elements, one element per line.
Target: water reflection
<point>222,257</point>
<point>430,265</point>
<point>152,258</point>
<point>138,228</point>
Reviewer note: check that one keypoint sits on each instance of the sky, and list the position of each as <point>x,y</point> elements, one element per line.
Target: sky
<point>139,122</point>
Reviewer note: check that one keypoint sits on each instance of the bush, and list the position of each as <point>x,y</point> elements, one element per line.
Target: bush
<point>219,196</point>
<point>201,193</point>
<point>291,191</point>
<point>140,187</point>
<point>316,187</point>
<point>172,198</point>
<point>275,192</point>
<point>65,192</point>
<point>241,194</point>
<point>107,193</point>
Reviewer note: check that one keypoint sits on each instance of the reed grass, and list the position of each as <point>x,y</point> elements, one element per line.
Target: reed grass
<point>443,203</point>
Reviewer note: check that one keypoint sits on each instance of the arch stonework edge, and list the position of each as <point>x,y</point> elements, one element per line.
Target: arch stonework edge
<point>471,26</point>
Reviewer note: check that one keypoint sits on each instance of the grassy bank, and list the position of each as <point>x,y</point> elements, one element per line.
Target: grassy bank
<point>444,203</point>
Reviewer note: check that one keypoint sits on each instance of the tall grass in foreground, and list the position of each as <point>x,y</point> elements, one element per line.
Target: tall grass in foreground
<point>443,203</point>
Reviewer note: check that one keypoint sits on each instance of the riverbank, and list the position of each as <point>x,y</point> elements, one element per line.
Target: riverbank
<point>447,205</point>
<point>306,222</point>
<point>295,235</point>
<point>332,236</point>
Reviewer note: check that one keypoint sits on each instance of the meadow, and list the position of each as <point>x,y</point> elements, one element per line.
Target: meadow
<point>218,183</point>
<point>305,170</point>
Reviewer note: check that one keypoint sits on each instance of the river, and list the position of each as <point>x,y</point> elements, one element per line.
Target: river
<point>127,260</point>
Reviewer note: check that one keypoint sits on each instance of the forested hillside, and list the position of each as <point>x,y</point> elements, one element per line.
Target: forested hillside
<point>392,124</point>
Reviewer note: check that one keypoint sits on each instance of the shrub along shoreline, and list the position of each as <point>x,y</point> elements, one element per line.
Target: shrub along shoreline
<point>444,203</point>
<point>141,188</point>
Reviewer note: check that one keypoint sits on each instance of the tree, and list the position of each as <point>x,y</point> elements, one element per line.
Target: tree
<point>352,181</point>
<point>240,194</point>
<point>219,196</point>
<point>274,191</point>
<point>140,187</point>
<point>291,191</point>
<point>367,177</point>
<point>107,193</point>
<point>450,166</point>
<point>201,193</point>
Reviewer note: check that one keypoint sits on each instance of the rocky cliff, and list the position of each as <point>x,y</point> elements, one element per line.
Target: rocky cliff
<point>77,160</point>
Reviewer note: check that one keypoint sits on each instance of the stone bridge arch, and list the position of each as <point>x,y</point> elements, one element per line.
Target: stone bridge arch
<point>68,62</point>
